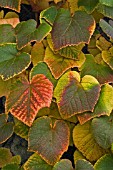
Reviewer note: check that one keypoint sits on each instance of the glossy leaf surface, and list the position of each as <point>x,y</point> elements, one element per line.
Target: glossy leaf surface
<point>12,62</point>
<point>50,140</point>
<point>26,98</point>
<point>74,95</point>
<point>69,30</point>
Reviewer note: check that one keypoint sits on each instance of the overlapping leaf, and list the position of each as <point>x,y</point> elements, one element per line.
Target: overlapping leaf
<point>74,95</point>
<point>25,35</point>
<point>102,129</point>
<point>12,4</point>
<point>104,163</point>
<point>108,58</point>
<point>7,34</point>
<point>106,2</point>
<point>104,105</point>
<point>105,10</point>
<point>83,165</point>
<point>89,5</point>
<point>85,142</point>
<point>100,71</point>
<point>12,62</point>
<point>26,98</point>
<point>49,139</point>
<point>70,30</point>
<point>58,64</point>
<point>5,156</point>
<point>35,162</point>
<point>63,164</point>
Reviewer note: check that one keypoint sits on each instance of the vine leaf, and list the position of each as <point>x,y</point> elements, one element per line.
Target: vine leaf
<point>12,4</point>
<point>85,142</point>
<point>74,96</point>
<point>104,105</point>
<point>25,35</point>
<point>89,5</point>
<point>82,164</point>
<point>105,162</point>
<point>58,64</point>
<point>5,156</point>
<point>49,139</point>
<point>102,131</point>
<point>70,30</point>
<point>26,98</point>
<point>63,164</point>
<point>7,34</point>
<point>12,61</point>
<point>100,71</point>
<point>36,162</point>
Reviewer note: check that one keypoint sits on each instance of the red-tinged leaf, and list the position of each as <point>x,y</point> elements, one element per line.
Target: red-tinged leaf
<point>11,21</point>
<point>74,95</point>
<point>59,64</point>
<point>104,105</point>
<point>49,139</point>
<point>101,71</point>
<point>26,98</point>
<point>71,30</point>
<point>12,4</point>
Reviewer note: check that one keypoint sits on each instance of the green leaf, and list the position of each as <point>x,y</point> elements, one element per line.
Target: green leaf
<point>104,105</point>
<point>106,27</point>
<point>16,159</point>
<point>82,164</point>
<point>21,129</point>
<point>35,162</point>
<point>107,2</point>
<point>102,130</point>
<point>77,155</point>
<point>100,71</point>
<point>25,35</point>
<point>74,95</point>
<point>3,119</point>
<point>63,164</point>
<point>26,98</point>
<point>108,58</point>
<point>58,64</point>
<point>6,131</point>
<point>42,68</point>
<point>50,140</point>
<point>89,5</point>
<point>12,62</point>
<point>71,30</point>
<point>104,163</point>
<point>48,15</point>
<point>85,142</point>
<point>105,10</point>
<point>5,156</point>
<point>7,34</point>
<point>12,166</point>
<point>12,4</point>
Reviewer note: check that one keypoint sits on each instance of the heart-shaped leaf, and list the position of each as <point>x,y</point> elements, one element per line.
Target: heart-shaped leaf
<point>25,35</point>
<point>102,129</point>
<point>63,164</point>
<point>104,105</point>
<point>85,142</point>
<point>35,162</point>
<point>58,64</point>
<point>50,140</point>
<point>82,164</point>
<point>26,98</point>
<point>12,61</point>
<point>100,71</point>
<point>7,34</point>
<point>71,30</point>
<point>74,95</point>
<point>12,4</point>
<point>89,5</point>
<point>104,163</point>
